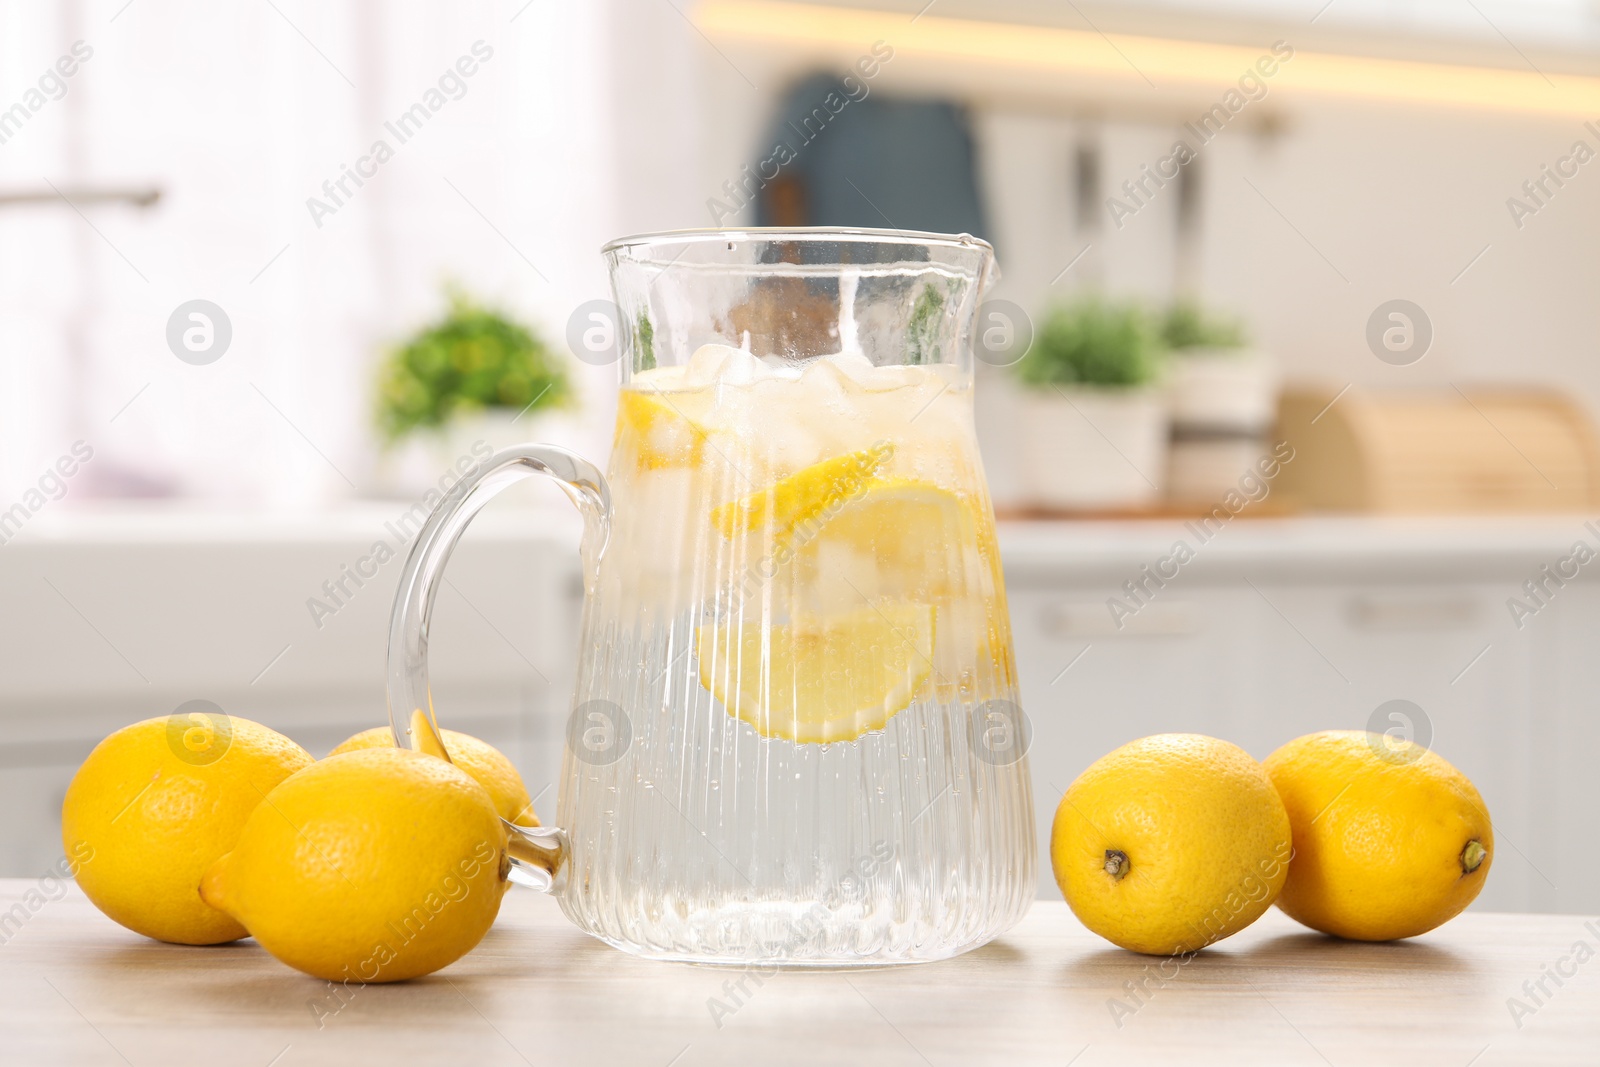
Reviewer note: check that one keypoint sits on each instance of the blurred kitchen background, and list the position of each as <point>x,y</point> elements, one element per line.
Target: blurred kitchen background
<point>1342,346</point>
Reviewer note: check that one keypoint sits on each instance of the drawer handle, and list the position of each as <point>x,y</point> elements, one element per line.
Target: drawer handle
<point>1417,613</point>
<point>1084,619</point>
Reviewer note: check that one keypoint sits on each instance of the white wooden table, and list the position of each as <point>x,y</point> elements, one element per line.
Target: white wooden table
<point>77,989</point>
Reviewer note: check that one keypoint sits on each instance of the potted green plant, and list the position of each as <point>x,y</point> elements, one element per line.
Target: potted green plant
<point>1222,395</point>
<point>1216,381</point>
<point>1093,420</point>
<point>1186,325</point>
<point>467,380</point>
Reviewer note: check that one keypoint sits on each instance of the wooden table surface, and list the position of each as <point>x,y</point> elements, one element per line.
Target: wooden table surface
<point>77,989</point>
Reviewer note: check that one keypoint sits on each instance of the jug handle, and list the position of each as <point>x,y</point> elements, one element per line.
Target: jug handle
<point>536,854</point>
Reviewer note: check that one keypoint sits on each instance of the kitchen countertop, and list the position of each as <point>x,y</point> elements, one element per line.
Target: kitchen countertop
<point>1258,539</point>
<point>77,989</point>
<point>1331,546</point>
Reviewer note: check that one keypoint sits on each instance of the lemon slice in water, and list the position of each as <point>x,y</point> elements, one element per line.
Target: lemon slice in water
<point>820,680</point>
<point>803,497</point>
<point>662,434</point>
<point>897,537</point>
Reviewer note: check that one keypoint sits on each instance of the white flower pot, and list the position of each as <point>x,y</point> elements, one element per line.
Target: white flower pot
<point>1203,470</point>
<point>494,428</point>
<point>425,459</point>
<point>1094,448</point>
<point>1222,388</point>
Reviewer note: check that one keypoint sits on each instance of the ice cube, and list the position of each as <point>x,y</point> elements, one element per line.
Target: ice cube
<point>705,365</point>
<point>824,381</point>
<point>659,379</point>
<point>852,366</point>
<point>716,364</point>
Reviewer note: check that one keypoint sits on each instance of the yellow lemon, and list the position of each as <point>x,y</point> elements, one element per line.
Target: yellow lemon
<point>1390,840</point>
<point>155,804</point>
<point>658,432</point>
<point>820,680</point>
<point>1170,843</point>
<point>485,763</point>
<point>371,866</point>
<point>803,496</point>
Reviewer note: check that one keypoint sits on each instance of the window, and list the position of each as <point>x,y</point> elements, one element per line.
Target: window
<point>259,125</point>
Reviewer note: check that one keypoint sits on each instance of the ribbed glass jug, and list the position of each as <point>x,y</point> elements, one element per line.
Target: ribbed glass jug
<point>795,736</point>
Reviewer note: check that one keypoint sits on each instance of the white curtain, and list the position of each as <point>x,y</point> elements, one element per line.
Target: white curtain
<point>238,113</point>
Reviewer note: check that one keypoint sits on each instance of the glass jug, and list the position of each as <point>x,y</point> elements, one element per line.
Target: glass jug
<point>795,737</point>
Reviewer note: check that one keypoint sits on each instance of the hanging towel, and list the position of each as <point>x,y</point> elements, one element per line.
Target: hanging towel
<point>866,160</point>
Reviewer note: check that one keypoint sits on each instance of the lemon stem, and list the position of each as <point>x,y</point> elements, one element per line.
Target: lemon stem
<point>1472,856</point>
<point>1117,864</point>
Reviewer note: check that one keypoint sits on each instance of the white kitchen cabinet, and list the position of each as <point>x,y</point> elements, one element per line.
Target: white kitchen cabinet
<point>108,622</point>
<point>1562,821</point>
<point>32,796</point>
<point>1450,650</point>
<point>1277,628</point>
<point>1260,640</point>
